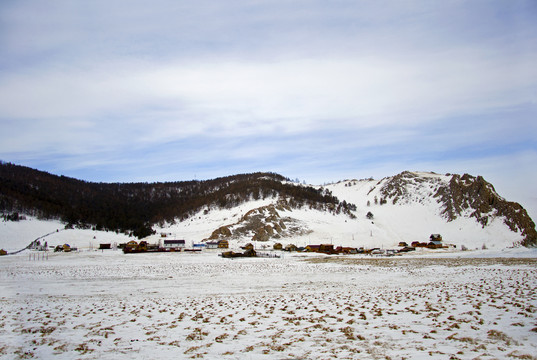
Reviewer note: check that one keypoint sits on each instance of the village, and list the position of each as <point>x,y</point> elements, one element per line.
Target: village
<point>250,250</point>
<point>222,247</point>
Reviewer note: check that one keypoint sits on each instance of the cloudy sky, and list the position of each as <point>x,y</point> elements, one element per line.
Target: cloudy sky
<point>316,90</point>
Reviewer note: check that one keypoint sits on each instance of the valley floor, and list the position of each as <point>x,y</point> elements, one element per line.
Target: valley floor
<point>107,305</point>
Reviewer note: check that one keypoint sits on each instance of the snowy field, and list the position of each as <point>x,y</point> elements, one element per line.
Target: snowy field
<point>108,305</point>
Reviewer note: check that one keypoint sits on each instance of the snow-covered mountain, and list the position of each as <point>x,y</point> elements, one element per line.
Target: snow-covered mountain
<point>407,207</point>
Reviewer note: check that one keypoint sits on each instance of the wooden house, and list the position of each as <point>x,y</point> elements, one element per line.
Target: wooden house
<point>312,248</point>
<point>435,237</point>
<point>323,248</point>
<point>248,246</point>
<point>250,253</point>
<point>130,246</point>
<point>277,246</point>
<point>223,244</point>
<point>407,249</point>
<point>436,241</point>
<point>346,250</point>
<point>290,247</point>
<point>142,246</point>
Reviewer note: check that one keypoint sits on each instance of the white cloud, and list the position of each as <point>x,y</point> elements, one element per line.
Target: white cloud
<point>270,83</point>
<point>370,91</point>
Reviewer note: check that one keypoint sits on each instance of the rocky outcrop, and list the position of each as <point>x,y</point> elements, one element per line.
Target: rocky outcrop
<point>401,187</point>
<point>222,232</point>
<point>459,196</point>
<point>262,224</point>
<point>474,197</point>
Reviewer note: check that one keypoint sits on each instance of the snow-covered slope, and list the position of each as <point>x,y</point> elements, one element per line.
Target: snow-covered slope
<point>16,235</point>
<point>416,214</point>
<point>407,207</point>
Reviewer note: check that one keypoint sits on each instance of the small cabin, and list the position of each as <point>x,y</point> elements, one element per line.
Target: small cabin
<point>223,244</point>
<point>131,245</point>
<point>250,253</point>
<point>277,246</point>
<point>323,248</point>
<point>435,241</point>
<point>142,246</point>
<point>211,245</point>
<point>290,247</point>
<point>248,246</point>
<point>435,237</point>
<point>105,246</point>
<point>346,250</point>
<point>312,248</point>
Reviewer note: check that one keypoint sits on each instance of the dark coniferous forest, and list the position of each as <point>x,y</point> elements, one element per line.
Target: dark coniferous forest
<point>133,208</point>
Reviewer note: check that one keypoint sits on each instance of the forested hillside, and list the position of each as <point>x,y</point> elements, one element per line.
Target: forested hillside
<point>134,208</point>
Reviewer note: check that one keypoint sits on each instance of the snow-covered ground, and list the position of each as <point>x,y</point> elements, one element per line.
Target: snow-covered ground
<point>429,304</point>
<point>109,305</point>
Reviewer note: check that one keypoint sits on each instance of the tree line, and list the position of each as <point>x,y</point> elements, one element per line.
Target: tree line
<point>133,208</point>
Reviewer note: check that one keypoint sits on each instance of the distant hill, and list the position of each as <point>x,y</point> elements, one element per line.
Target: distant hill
<point>134,208</point>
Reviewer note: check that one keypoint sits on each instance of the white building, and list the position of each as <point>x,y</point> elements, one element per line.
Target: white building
<point>174,244</point>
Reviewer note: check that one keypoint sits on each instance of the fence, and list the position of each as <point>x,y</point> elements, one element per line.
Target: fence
<point>38,256</point>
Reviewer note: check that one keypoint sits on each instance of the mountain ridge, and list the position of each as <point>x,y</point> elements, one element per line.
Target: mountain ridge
<point>135,208</point>
<point>449,201</point>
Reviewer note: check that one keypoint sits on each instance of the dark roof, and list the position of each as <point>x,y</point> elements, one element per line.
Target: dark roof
<point>174,241</point>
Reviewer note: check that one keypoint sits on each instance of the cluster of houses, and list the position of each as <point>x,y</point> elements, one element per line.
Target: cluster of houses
<point>435,242</point>
<point>174,245</point>
<point>323,248</point>
<point>63,248</point>
<point>169,245</point>
<point>43,246</point>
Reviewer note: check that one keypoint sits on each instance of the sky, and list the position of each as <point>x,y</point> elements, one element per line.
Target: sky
<point>128,91</point>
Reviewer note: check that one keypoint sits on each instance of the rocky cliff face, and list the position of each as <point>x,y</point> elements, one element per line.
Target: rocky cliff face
<point>262,224</point>
<point>457,195</point>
